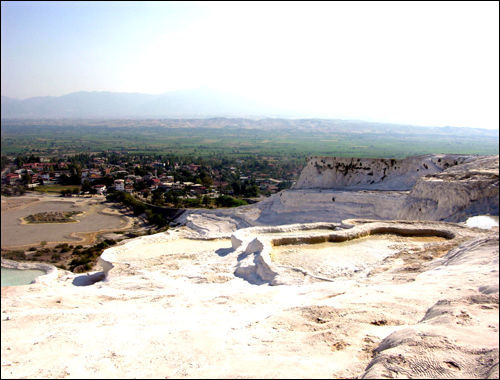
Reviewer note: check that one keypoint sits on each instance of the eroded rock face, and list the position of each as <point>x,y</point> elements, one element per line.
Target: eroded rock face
<point>457,337</point>
<point>314,205</point>
<point>456,193</point>
<point>443,188</point>
<point>373,173</point>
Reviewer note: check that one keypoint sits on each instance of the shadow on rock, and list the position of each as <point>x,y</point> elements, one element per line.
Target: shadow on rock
<point>224,251</point>
<point>87,279</point>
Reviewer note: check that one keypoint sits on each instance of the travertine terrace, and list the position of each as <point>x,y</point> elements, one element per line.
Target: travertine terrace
<point>217,297</point>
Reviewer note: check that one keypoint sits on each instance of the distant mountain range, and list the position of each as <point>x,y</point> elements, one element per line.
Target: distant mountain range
<point>213,106</point>
<point>200,102</point>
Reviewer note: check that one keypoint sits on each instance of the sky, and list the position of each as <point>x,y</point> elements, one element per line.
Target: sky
<point>420,63</point>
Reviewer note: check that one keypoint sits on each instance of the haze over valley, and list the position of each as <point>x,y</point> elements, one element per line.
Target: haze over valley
<point>250,189</point>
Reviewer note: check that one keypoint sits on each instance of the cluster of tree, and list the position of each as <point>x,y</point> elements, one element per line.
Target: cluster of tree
<point>75,175</point>
<point>202,178</point>
<point>5,162</point>
<point>13,190</point>
<point>138,207</point>
<point>65,247</point>
<point>80,159</point>
<point>74,191</point>
<point>88,257</point>
<point>87,188</point>
<point>245,188</point>
<point>227,201</point>
<point>20,160</point>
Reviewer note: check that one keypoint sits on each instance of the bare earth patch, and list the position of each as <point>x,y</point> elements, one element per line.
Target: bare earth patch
<point>92,215</point>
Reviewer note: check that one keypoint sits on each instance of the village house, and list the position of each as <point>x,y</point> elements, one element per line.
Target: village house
<point>165,187</point>
<point>40,165</point>
<point>154,183</point>
<point>34,178</point>
<point>44,176</point>
<point>101,189</point>
<point>133,178</point>
<point>193,167</point>
<point>198,189</point>
<point>167,178</point>
<point>11,178</point>
<point>94,176</point>
<point>271,188</point>
<point>119,185</point>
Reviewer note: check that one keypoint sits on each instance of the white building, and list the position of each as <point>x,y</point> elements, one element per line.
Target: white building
<point>119,185</point>
<point>101,189</point>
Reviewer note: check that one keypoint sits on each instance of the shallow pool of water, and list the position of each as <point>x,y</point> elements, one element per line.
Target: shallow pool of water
<point>174,247</point>
<point>333,260</point>
<point>298,233</point>
<point>482,221</point>
<point>13,277</point>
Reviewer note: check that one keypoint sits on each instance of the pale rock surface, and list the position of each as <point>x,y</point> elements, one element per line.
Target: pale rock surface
<point>298,206</point>
<point>433,187</point>
<point>457,337</point>
<point>373,173</point>
<point>166,309</point>
<point>455,194</point>
<point>187,315</point>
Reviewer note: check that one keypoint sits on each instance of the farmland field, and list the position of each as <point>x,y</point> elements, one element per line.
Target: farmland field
<point>71,137</point>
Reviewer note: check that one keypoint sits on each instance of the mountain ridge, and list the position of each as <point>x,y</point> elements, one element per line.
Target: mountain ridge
<point>199,102</point>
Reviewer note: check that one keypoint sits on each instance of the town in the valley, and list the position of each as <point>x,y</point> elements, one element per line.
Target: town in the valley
<point>172,181</point>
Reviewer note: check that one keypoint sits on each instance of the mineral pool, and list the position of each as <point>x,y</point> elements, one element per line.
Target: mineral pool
<point>13,277</point>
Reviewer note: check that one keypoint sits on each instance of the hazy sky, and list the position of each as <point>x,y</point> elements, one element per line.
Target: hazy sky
<point>422,63</point>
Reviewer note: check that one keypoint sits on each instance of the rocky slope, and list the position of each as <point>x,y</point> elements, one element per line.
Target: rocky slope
<point>443,188</point>
<point>167,312</point>
<point>373,173</point>
<point>194,302</point>
<point>456,193</point>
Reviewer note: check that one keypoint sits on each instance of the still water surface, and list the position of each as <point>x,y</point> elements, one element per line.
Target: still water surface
<point>13,277</point>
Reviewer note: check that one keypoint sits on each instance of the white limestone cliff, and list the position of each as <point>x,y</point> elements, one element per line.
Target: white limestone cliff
<point>443,187</point>
<point>373,173</point>
<point>455,194</point>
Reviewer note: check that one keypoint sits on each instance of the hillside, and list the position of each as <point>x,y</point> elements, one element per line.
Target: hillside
<point>200,102</point>
<point>196,108</point>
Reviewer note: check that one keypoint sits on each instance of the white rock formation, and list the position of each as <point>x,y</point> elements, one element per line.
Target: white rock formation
<point>372,173</point>
<point>166,310</point>
<point>180,315</point>
<point>456,193</point>
<point>317,205</point>
<point>451,340</point>
<point>443,187</point>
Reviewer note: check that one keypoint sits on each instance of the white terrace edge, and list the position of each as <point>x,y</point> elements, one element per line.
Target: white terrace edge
<point>254,251</point>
